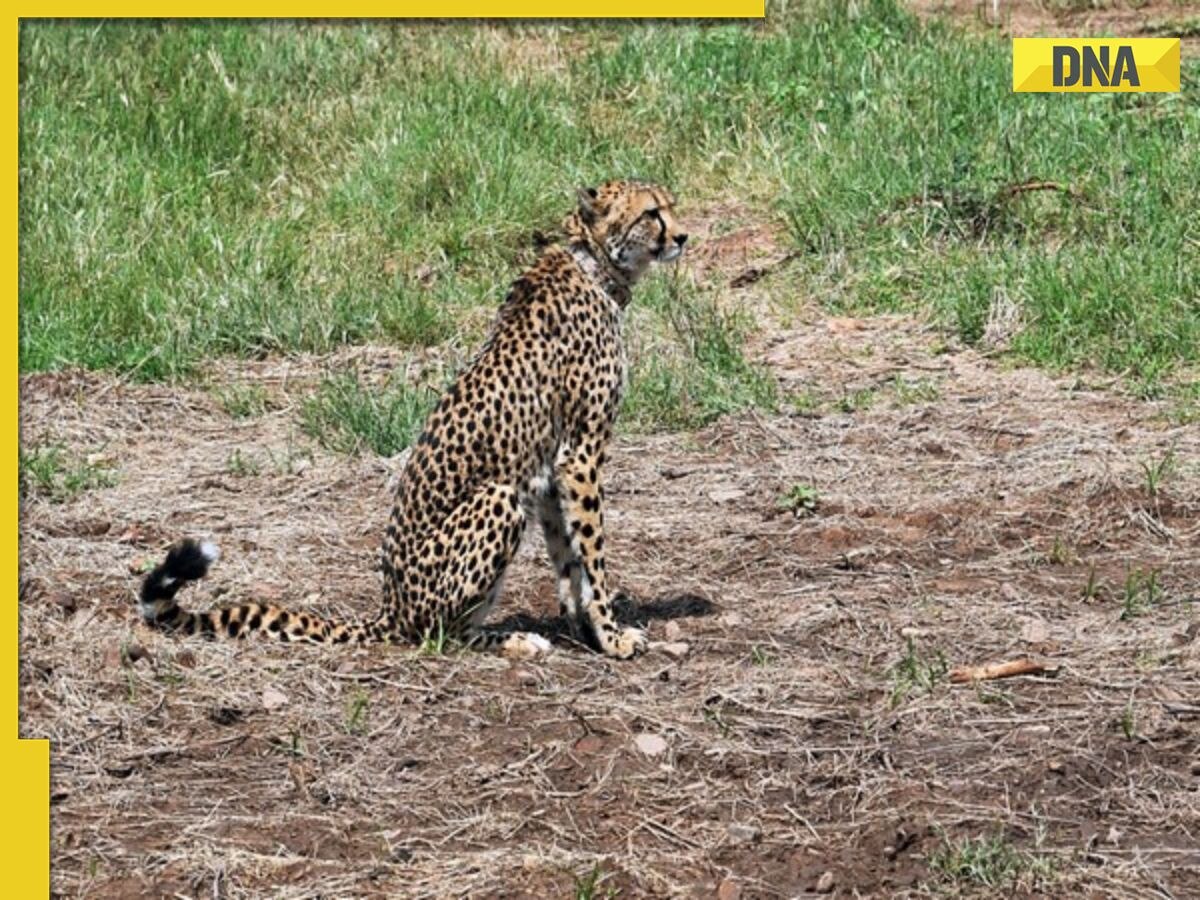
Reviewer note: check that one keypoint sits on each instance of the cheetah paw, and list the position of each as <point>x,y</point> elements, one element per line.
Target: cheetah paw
<point>629,642</point>
<point>523,645</point>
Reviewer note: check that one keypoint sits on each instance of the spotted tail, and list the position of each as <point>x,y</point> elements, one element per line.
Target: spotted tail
<point>188,561</point>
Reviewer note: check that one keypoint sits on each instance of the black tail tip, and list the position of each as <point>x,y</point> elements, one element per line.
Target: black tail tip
<point>186,561</point>
<point>189,559</point>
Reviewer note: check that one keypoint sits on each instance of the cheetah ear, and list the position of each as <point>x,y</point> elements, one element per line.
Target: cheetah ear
<point>588,210</point>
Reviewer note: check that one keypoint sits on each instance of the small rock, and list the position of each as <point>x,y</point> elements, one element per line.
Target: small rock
<point>132,535</point>
<point>66,602</point>
<point>401,855</point>
<point>729,890</point>
<point>842,324</point>
<point>825,883</point>
<point>589,744</point>
<point>225,715</point>
<point>274,699</point>
<point>523,676</point>
<point>741,833</point>
<point>855,560</point>
<point>726,495</point>
<point>673,649</point>
<point>1029,735</point>
<point>673,631</point>
<point>1035,632</point>
<point>1186,635</point>
<point>911,631</point>
<point>650,744</point>
<point>124,657</point>
<point>1114,836</point>
<point>135,652</point>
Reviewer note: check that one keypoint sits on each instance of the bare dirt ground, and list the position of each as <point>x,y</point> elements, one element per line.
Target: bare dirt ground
<point>806,738</point>
<point>1055,18</point>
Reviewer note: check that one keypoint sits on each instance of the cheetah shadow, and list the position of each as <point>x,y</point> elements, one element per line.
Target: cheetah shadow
<point>627,609</point>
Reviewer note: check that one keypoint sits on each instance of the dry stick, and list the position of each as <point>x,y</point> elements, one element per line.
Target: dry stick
<point>938,198</point>
<point>1002,670</point>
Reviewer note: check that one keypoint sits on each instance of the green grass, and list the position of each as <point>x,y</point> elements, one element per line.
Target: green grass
<point>698,371</point>
<point>990,861</point>
<point>916,672</point>
<point>192,190</point>
<point>358,712</point>
<point>346,416</point>
<point>911,392</point>
<point>800,500</point>
<point>242,465</point>
<point>859,400</point>
<point>53,472</point>
<point>243,401</point>
<point>589,884</point>
<point>1142,592</point>
<point>761,657</point>
<point>1157,471</point>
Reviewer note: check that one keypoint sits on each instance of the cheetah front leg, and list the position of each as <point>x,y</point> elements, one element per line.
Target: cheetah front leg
<point>568,569</point>
<point>581,496</point>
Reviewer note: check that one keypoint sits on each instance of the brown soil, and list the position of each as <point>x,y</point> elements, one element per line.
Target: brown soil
<point>1074,18</point>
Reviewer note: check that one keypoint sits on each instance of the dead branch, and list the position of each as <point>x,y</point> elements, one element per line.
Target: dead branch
<point>1013,667</point>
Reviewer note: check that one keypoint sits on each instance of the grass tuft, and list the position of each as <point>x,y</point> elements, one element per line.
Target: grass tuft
<point>699,374</point>
<point>800,500</point>
<point>589,884</point>
<point>988,861</point>
<point>242,401</point>
<point>346,416</point>
<point>1142,593</point>
<point>916,671</point>
<point>51,471</point>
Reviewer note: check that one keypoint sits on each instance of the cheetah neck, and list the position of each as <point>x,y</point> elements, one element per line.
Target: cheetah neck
<point>600,269</point>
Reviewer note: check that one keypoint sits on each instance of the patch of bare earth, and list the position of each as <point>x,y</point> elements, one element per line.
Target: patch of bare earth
<point>1055,18</point>
<point>807,738</point>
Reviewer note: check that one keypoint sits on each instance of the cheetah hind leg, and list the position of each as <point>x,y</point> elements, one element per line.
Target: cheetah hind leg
<point>488,527</point>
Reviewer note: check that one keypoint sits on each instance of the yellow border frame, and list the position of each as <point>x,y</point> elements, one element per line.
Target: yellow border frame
<point>26,763</point>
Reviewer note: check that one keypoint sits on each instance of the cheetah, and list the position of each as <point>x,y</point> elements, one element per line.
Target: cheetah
<point>522,432</point>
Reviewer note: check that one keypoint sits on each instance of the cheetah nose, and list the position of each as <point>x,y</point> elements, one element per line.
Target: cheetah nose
<point>681,239</point>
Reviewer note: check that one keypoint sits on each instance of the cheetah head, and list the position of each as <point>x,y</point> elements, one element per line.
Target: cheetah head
<point>631,222</point>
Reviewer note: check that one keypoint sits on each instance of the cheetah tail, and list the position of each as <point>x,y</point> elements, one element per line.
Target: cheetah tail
<point>188,561</point>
